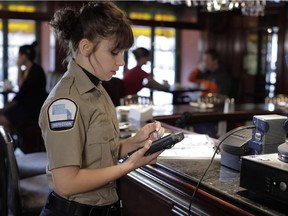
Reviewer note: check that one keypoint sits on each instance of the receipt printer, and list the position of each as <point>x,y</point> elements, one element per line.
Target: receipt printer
<point>234,147</point>
<point>269,132</point>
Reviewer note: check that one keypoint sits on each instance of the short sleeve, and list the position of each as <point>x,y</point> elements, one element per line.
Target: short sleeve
<point>63,132</point>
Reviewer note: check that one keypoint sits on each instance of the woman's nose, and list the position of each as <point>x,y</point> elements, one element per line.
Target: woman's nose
<point>120,60</point>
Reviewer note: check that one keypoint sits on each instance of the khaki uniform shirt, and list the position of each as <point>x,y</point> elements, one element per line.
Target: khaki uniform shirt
<point>80,128</point>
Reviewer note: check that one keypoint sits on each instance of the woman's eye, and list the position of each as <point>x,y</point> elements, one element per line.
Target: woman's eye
<point>115,53</point>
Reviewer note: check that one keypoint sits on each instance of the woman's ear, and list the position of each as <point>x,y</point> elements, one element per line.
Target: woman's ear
<point>85,47</point>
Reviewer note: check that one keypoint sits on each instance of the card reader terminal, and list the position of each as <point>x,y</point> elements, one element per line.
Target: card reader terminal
<point>163,143</point>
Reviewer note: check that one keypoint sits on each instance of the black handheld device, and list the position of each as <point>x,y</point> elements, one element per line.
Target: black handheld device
<point>166,142</point>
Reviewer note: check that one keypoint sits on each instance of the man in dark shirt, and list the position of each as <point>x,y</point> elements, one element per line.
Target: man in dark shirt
<point>212,75</point>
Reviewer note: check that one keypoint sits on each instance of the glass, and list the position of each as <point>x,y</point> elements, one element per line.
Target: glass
<point>164,62</point>
<point>163,50</point>
<point>1,49</point>
<point>24,6</point>
<point>20,32</point>
<point>1,65</point>
<point>271,60</point>
<point>164,55</point>
<point>250,60</point>
<point>52,42</point>
<point>151,10</point>
<point>143,38</point>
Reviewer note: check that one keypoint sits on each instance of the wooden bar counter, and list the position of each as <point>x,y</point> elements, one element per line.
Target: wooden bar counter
<point>166,188</point>
<point>242,112</point>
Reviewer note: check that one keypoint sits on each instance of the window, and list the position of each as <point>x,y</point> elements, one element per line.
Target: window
<point>271,60</point>
<point>161,42</point>
<point>15,33</point>
<point>164,62</point>
<point>20,32</point>
<point>1,49</point>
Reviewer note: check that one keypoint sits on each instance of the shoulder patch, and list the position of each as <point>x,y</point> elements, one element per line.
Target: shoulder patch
<point>62,114</point>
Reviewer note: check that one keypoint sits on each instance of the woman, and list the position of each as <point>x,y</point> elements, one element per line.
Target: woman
<point>136,78</point>
<point>78,119</point>
<point>26,105</point>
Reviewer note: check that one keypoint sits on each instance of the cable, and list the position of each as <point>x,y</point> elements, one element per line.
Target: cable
<point>222,138</point>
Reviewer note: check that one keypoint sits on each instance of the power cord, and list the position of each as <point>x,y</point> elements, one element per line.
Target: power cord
<point>222,138</point>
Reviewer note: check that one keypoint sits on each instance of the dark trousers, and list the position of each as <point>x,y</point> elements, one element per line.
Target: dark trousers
<point>58,206</point>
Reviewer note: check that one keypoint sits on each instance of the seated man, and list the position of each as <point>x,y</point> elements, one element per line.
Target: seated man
<point>211,75</point>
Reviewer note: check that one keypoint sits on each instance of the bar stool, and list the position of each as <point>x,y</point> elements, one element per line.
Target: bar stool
<point>3,182</point>
<point>25,196</point>
<point>32,164</point>
<point>28,137</point>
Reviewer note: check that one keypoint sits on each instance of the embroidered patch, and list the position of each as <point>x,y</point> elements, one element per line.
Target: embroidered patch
<point>61,114</point>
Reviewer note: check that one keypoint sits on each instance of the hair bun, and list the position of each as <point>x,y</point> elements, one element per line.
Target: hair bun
<point>64,22</point>
<point>34,44</point>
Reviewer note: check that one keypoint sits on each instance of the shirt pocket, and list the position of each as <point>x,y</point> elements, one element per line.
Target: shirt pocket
<point>98,148</point>
<point>101,133</point>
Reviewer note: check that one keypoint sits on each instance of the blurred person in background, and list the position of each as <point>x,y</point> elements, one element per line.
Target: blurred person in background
<point>136,78</point>
<point>211,75</point>
<point>25,106</point>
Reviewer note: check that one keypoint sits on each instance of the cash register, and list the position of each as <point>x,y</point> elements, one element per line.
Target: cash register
<point>263,137</point>
<point>260,153</point>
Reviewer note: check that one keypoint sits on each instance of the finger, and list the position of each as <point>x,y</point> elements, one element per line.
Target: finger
<point>154,157</point>
<point>161,132</point>
<point>145,147</point>
<point>158,125</point>
<point>154,161</point>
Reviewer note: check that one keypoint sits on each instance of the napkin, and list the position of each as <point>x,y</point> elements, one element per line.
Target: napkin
<point>140,112</point>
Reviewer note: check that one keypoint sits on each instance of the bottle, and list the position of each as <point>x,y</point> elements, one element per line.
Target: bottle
<point>226,105</point>
<point>232,105</point>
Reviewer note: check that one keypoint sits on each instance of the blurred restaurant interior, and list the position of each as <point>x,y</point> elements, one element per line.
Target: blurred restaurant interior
<point>252,39</point>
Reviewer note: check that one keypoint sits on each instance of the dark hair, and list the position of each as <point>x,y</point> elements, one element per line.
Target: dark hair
<point>29,50</point>
<point>95,21</point>
<point>141,52</point>
<point>214,54</point>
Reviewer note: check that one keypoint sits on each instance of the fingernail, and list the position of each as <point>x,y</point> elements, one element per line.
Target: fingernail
<point>156,134</point>
<point>150,142</point>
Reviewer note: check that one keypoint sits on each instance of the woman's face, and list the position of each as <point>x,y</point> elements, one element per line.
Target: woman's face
<point>210,63</point>
<point>21,59</point>
<point>146,58</point>
<point>105,61</point>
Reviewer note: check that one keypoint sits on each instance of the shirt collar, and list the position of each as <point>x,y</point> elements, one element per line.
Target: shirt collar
<point>81,80</point>
<point>92,78</point>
